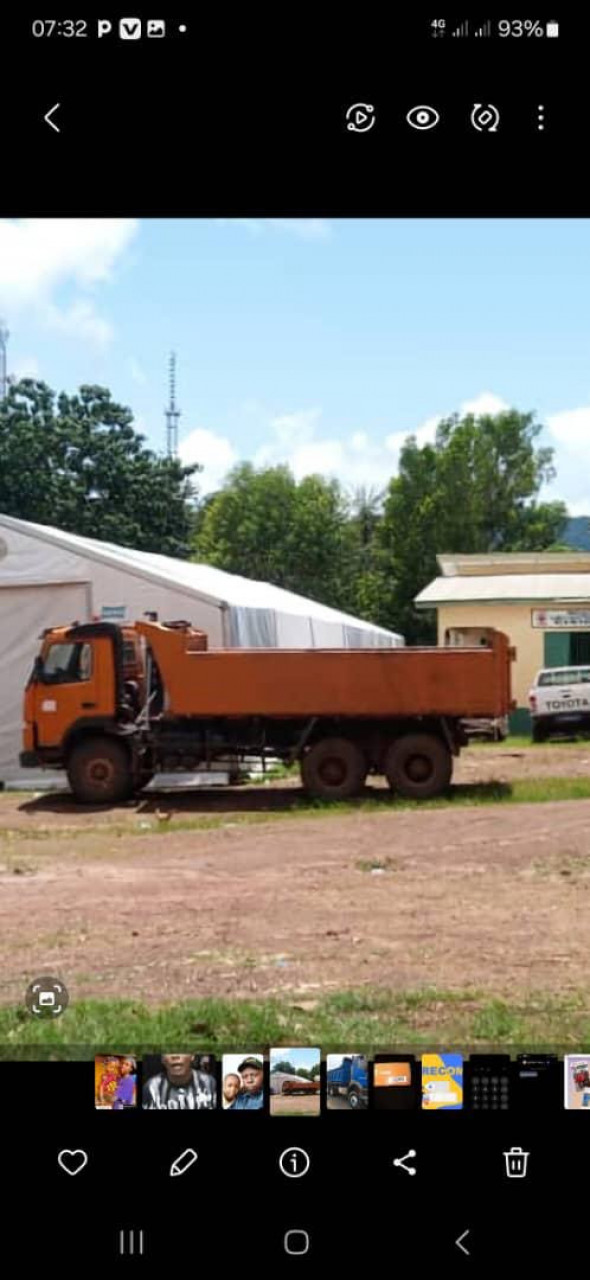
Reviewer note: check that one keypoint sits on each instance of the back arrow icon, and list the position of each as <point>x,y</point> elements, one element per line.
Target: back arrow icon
<point>48,119</point>
<point>460,1245</point>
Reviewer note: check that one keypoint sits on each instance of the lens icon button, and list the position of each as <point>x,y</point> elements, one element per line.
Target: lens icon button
<point>423,117</point>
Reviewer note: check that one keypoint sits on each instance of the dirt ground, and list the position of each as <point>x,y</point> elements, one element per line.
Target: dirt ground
<point>296,1106</point>
<point>495,897</point>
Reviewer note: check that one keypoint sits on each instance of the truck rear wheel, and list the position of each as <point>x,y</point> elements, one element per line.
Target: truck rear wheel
<point>333,769</point>
<point>99,771</point>
<point>418,766</point>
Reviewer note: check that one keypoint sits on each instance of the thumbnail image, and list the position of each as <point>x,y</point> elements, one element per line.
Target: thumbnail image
<point>242,1081</point>
<point>395,1083</point>
<point>115,1082</point>
<point>347,1081</point>
<point>442,1081</point>
<point>179,1082</point>
<point>295,1082</point>
<point>537,1082</point>
<point>487,1082</point>
<point>577,1081</point>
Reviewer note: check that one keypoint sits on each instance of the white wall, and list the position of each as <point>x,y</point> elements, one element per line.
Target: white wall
<point>55,587</point>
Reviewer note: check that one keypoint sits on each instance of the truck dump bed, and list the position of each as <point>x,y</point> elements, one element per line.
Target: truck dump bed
<point>458,682</point>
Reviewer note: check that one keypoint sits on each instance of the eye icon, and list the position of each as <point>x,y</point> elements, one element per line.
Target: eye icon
<point>422,117</point>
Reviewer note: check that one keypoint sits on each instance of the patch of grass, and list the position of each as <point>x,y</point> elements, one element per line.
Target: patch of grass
<point>370,1019</point>
<point>463,795</point>
<point>376,864</point>
<point>569,863</point>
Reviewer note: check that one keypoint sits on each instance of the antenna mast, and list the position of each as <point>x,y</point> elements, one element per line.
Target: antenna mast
<point>172,414</point>
<point>4,336</point>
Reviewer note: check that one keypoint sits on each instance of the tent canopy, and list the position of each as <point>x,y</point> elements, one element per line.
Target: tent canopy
<point>49,577</point>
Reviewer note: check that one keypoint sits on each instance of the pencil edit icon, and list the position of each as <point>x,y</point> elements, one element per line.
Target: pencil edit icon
<point>183,1162</point>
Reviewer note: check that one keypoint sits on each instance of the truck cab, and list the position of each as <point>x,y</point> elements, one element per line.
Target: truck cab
<point>88,679</point>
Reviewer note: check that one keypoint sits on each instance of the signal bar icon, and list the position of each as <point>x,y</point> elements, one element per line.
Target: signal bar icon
<point>462,30</point>
<point>486,30</point>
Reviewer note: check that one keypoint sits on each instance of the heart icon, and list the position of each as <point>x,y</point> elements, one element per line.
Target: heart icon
<point>72,1162</point>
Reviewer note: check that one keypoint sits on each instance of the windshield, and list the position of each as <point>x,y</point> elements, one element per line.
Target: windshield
<point>64,663</point>
<point>567,675</point>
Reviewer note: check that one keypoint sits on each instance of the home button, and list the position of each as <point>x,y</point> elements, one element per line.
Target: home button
<point>296,1242</point>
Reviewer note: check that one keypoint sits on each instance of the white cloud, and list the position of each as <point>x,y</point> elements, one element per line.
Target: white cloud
<point>485,402</point>
<point>215,453</point>
<point>578,506</point>
<point>301,228</point>
<point>424,434</point>
<point>292,429</point>
<point>568,432</point>
<point>356,459</point>
<point>80,320</point>
<point>571,428</point>
<point>39,257</point>
<point>296,441</point>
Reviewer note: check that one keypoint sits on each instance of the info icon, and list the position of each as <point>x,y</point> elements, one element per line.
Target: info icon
<point>47,997</point>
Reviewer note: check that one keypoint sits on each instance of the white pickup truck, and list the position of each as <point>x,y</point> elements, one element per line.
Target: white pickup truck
<point>559,702</point>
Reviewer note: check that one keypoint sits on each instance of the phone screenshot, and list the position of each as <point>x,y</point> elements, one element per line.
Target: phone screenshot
<point>294,641</point>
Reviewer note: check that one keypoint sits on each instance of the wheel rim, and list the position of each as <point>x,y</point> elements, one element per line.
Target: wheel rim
<point>419,768</point>
<point>333,771</point>
<point>100,773</point>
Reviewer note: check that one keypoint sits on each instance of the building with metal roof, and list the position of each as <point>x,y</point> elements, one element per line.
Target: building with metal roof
<point>540,599</point>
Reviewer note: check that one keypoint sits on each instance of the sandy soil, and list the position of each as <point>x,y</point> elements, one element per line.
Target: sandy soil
<point>119,904</point>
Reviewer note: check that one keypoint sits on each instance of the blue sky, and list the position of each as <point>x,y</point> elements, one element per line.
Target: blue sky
<point>307,1058</point>
<point>321,344</point>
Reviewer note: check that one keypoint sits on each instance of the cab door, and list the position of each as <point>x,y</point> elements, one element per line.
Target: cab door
<point>74,681</point>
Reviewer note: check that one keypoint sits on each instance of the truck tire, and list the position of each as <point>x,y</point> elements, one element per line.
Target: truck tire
<point>99,771</point>
<point>354,1100</point>
<point>418,766</point>
<point>333,769</point>
<point>539,733</point>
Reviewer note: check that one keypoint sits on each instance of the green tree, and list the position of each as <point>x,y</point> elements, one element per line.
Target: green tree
<point>368,572</point>
<point>285,1066</point>
<point>263,524</point>
<point>475,490</point>
<point>78,463</point>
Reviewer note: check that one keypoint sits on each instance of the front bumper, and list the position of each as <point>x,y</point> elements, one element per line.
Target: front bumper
<point>29,760</point>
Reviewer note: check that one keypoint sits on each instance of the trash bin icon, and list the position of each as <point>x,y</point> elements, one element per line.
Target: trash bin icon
<point>516,1162</point>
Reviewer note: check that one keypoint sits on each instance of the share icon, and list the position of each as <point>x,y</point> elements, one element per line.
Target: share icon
<point>400,1163</point>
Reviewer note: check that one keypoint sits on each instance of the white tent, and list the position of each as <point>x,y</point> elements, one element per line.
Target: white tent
<point>49,577</point>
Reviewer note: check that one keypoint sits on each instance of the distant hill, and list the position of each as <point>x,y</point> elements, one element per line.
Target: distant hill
<point>576,533</point>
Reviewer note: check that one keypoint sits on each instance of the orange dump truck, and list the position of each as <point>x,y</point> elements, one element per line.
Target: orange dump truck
<point>113,705</point>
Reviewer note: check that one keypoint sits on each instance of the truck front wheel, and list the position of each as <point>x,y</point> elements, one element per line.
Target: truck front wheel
<point>99,771</point>
<point>418,766</point>
<point>333,769</point>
